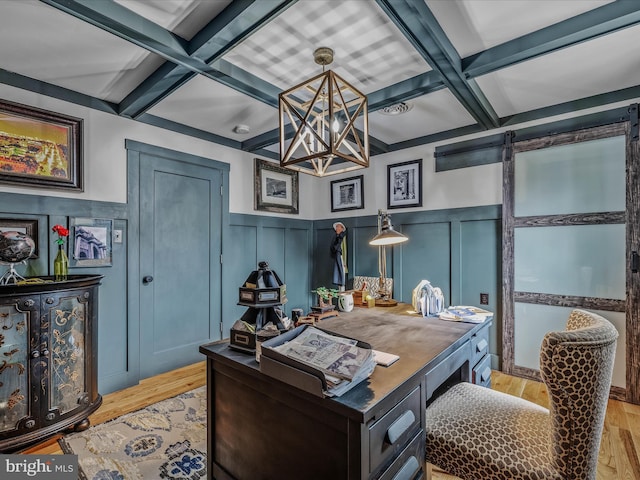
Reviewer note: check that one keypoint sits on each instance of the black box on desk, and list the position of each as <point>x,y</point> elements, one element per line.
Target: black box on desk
<point>262,297</point>
<point>243,340</point>
<point>291,371</point>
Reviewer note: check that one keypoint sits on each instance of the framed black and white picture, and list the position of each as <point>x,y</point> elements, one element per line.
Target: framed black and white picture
<point>276,188</point>
<point>91,242</point>
<point>347,194</point>
<point>404,184</point>
<point>28,227</point>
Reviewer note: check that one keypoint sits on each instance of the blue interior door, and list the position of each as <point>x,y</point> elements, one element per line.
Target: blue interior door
<point>180,247</point>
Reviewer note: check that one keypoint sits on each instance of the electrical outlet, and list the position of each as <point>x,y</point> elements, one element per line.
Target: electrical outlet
<point>117,236</point>
<point>484,299</point>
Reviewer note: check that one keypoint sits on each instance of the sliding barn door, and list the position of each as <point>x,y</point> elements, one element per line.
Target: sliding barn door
<point>566,231</point>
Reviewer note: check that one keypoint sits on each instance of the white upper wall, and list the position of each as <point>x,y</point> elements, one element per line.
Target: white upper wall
<point>105,169</point>
<point>105,156</point>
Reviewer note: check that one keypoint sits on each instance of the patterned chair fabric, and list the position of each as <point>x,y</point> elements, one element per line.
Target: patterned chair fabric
<point>372,284</point>
<point>480,434</point>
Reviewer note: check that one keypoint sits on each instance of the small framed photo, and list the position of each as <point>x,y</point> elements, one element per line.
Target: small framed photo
<point>28,227</point>
<point>404,184</point>
<point>276,188</point>
<point>347,194</point>
<point>91,242</point>
<point>39,148</point>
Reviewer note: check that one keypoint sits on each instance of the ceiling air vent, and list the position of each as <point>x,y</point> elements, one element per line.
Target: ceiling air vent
<point>396,109</point>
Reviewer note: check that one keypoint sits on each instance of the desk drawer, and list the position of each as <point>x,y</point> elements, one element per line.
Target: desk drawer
<point>479,345</point>
<point>390,434</point>
<point>410,463</point>
<point>482,372</point>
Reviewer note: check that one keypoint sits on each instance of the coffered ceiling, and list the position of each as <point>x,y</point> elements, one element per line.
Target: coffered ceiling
<point>201,67</point>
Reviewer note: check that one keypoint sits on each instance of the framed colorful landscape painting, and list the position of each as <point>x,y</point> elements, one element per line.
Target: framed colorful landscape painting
<point>39,148</point>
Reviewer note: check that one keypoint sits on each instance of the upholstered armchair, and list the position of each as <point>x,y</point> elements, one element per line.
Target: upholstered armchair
<point>477,433</point>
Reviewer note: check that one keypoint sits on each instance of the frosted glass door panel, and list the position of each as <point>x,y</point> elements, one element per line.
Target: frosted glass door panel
<point>576,178</point>
<point>533,321</point>
<point>580,260</point>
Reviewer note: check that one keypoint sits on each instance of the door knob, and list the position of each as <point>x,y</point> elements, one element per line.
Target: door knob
<point>147,279</point>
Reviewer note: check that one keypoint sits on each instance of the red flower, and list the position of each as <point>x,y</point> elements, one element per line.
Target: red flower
<point>62,232</point>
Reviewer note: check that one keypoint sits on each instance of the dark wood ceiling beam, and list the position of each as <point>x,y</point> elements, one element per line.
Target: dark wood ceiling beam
<point>405,90</point>
<point>587,26</point>
<point>122,22</point>
<point>184,59</point>
<point>239,20</point>
<point>418,24</point>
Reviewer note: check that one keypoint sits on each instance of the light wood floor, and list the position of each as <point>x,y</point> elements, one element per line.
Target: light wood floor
<point>619,452</point>
<point>148,391</point>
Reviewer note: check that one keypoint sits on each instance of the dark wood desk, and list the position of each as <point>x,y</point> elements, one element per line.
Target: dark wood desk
<point>262,428</point>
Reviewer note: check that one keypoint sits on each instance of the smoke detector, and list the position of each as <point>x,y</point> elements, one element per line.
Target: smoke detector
<point>241,129</point>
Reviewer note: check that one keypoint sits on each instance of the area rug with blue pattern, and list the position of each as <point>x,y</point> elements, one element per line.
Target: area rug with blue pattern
<point>166,440</point>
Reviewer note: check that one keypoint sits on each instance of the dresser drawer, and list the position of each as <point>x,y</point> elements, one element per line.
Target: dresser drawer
<point>410,463</point>
<point>481,374</point>
<point>389,435</point>
<point>479,345</point>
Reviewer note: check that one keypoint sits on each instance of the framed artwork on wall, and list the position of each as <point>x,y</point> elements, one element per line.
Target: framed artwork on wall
<point>276,188</point>
<point>39,148</point>
<point>91,242</point>
<point>28,227</point>
<point>347,194</point>
<point>404,184</point>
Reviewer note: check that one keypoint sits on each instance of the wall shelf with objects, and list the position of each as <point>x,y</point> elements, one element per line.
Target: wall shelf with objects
<point>48,371</point>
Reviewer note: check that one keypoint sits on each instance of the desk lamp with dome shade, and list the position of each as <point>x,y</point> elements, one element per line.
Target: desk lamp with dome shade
<point>15,247</point>
<point>386,236</point>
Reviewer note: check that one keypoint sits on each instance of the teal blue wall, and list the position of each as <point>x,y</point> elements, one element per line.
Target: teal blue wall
<point>113,324</point>
<point>457,250</point>
<point>286,243</point>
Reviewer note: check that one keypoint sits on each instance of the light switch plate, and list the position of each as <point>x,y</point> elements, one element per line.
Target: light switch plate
<point>117,236</point>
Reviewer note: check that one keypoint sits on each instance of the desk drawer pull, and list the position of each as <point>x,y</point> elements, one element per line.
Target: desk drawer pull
<point>399,426</point>
<point>408,470</point>
<point>485,375</point>
<point>481,345</point>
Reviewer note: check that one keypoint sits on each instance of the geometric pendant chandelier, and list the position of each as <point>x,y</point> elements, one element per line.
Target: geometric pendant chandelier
<point>318,134</point>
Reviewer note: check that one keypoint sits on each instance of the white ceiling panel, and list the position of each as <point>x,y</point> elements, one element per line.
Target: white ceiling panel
<point>370,52</point>
<point>59,49</point>
<point>42,44</point>
<point>473,26</point>
<point>210,106</point>
<point>185,18</point>
<point>436,112</point>
<point>595,67</point>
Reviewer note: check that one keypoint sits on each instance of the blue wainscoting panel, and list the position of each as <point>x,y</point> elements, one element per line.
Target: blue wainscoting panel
<point>426,256</point>
<point>239,260</point>
<point>481,258</point>
<point>114,366</point>
<point>297,272</point>
<point>271,248</point>
<point>364,257</point>
<point>457,250</point>
<point>283,242</point>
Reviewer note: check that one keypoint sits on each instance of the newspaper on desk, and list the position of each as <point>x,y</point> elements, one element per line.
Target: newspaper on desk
<point>343,363</point>
<point>466,313</point>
